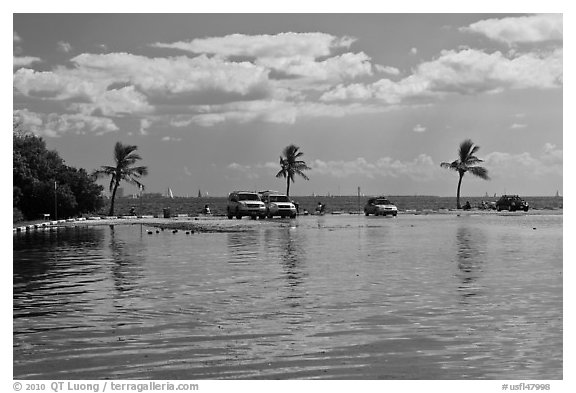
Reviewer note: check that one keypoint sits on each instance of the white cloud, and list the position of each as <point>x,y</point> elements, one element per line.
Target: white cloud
<point>419,128</point>
<point>17,38</point>
<point>422,168</point>
<point>345,66</point>
<point>144,125</point>
<point>387,70</point>
<point>467,71</point>
<point>293,54</point>
<point>25,61</point>
<point>414,51</point>
<point>289,44</point>
<point>126,100</point>
<point>517,126</point>
<point>247,170</point>
<point>174,139</point>
<point>55,125</point>
<point>507,165</point>
<point>64,46</point>
<point>521,29</point>
<point>175,75</point>
<point>163,76</point>
<point>273,111</point>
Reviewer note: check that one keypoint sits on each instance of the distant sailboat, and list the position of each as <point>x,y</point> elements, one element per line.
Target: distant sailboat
<point>169,193</point>
<point>199,194</point>
<point>557,194</point>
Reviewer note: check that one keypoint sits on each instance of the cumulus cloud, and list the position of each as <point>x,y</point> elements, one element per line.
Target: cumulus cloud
<point>94,73</point>
<point>345,66</point>
<point>56,125</point>
<point>422,168</point>
<point>521,29</point>
<point>271,78</point>
<point>291,54</point>
<point>17,38</point>
<point>387,70</point>
<point>467,71</point>
<point>273,111</point>
<point>507,165</point>
<point>419,128</point>
<point>176,74</point>
<point>414,51</point>
<point>114,102</point>
<point>25,61</point>
<point>288,44</point>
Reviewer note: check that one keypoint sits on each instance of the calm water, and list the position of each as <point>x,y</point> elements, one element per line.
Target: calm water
<point>412,297</point>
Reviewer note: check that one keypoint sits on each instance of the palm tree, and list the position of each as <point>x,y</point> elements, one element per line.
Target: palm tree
<point>291,165</point>
<point>466,162</point>
<point>125,157</point>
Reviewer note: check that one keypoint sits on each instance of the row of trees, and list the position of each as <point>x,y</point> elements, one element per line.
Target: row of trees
<point>291,165</point>
<point>42,182</point>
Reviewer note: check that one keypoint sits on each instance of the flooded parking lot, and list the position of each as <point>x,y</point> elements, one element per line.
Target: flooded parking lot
<point>345,297</point>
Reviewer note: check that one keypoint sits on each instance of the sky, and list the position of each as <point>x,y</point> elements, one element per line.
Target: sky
<point>373,100</point>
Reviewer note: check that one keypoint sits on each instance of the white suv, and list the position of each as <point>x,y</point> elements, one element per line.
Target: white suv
<point>245,203</point>
<point>278,204</point>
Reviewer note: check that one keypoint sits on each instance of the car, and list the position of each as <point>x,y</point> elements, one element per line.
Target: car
<point>380,206</point>
<point>245,203</point>
<point>511,203</point>
<point>278,204</point>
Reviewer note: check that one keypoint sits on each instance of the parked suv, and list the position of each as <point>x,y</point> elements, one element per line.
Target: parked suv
<point>278,204</point>
<point>511,203</point>
<point>245,203</point>
<point>380,206</point>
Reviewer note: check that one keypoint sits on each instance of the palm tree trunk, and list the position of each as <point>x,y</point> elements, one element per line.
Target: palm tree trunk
<point>288,186</point>
<point>458,191</point>
<point>111,213</point>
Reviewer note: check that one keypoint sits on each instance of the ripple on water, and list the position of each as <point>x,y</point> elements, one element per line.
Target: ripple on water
<point>415,297</point>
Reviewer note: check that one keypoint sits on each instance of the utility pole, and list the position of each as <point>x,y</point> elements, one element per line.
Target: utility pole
<point>55,202</point>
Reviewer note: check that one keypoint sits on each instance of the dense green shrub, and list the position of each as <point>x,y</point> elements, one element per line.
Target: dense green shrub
<point>40,176</point>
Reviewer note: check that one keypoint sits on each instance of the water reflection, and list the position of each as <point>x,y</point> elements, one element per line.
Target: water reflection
<point>470,253</point>
<point>127,263</point>
<point>243,247</point>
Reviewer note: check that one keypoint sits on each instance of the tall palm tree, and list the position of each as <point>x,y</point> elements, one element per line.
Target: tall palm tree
<point>125,157</point>
<point>466,162</point>
<point>290,165</point>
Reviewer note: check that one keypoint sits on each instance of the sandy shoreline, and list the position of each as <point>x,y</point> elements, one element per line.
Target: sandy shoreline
<point>223,224</point>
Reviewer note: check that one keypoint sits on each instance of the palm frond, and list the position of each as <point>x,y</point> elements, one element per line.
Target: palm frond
<point>299,172</point>
<point>465,149</point>
<point>451,165</point>
<point>479,171</point>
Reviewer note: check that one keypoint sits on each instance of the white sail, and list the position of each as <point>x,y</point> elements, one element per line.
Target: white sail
<point>169,193</point>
